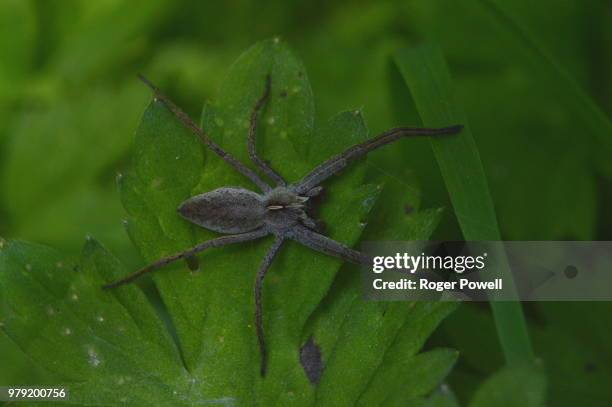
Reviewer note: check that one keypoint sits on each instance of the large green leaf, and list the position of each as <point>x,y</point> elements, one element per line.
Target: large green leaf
<point>283,136</point>
<point>115,337</point>
<point>97,342</point>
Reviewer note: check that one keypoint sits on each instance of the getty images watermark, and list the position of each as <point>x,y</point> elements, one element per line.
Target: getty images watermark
<point>489,271</point>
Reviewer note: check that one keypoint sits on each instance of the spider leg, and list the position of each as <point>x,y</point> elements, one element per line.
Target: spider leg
<point>261,273</point>
<point>261,164</point>
<point>315,192</point>
<point>187,122</point>
<point>308,221</point>
<point>331,247</point>
<point>217,242</point>
<point>312,224</point>
<point>338,162</point>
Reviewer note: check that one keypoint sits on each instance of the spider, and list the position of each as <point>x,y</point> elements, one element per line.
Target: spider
<point>279,210</point>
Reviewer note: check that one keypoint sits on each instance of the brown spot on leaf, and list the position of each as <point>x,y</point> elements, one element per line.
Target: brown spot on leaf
<point>192,263</point>
<point>310,359</point>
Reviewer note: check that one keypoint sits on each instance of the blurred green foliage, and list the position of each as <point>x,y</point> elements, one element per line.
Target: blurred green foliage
<point>534,78</point>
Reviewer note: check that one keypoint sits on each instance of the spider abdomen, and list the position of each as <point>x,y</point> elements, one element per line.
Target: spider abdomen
<point>225,210</point>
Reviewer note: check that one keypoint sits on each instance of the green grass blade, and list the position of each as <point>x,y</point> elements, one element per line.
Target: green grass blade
<point>425,72</point>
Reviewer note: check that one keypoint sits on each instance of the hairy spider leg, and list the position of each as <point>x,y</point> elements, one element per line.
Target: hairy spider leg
<point>338,162</point>
<point>187,122</point>
<point>259,162</point>
<point>261,273</point>
<point>217,242</point>
<point>324,244</point>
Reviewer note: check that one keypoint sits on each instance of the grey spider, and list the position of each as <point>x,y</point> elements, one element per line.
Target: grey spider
<point>279,210</point>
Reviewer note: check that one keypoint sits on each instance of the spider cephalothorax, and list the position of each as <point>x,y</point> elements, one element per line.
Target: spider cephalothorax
<point>285,209</point>
<point>280,210</point>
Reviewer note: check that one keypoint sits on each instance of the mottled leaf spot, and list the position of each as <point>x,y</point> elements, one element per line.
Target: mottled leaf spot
<point>192,263</point>
<point>310,359</point>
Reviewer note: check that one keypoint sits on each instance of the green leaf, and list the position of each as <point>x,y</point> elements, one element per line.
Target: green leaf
<point>368,338</point>
<point>115,338</point>
<point>517,386</point>
<point>97,341</point>
<point>169,168</point>
<point>293,145</point>
<point>426,75</point>
<point>403,374</point>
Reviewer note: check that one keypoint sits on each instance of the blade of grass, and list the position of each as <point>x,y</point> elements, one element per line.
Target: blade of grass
<point>426,75</point>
